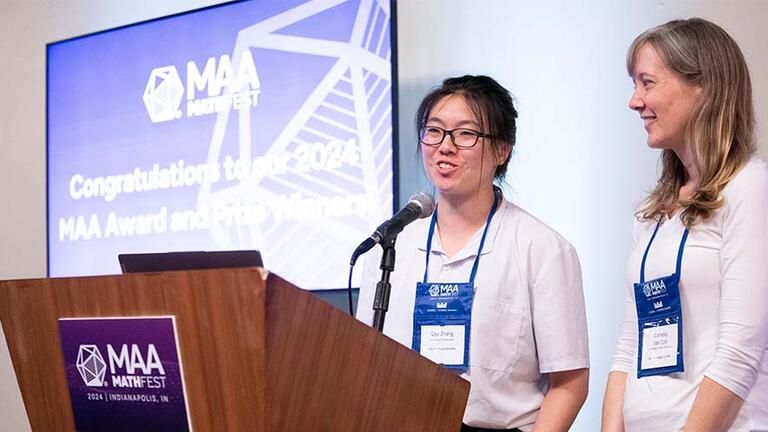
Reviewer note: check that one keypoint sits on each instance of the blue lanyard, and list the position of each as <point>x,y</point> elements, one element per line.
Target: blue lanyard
<point>679,252</point>
<point>496,199</point>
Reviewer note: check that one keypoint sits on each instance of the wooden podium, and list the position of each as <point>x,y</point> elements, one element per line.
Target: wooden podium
<point>259,354</point>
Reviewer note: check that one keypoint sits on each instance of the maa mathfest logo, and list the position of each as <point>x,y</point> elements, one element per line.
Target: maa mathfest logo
<point>218,86</point>
<point>654,288</point>
<point>443,290</point>
<point>129,366</point>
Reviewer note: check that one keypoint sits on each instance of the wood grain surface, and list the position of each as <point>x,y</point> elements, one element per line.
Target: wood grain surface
<point>256,356</point>
<point>337,374</point>
<point>220,324</point>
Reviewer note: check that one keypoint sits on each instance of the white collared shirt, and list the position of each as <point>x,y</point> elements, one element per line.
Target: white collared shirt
<point>528,316</point>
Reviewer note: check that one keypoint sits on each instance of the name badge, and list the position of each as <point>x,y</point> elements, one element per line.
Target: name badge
<point>441,323</point>
<point>442,316</point>
<point>660,330</point>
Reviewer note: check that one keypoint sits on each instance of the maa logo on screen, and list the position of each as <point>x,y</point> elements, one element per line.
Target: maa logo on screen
<point>218,87</point>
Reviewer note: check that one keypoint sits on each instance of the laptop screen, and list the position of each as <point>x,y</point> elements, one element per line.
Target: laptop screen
<point>196,260</point>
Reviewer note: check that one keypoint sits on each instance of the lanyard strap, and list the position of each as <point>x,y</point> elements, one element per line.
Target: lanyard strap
<point>678,266</point>
<point>433,223</point>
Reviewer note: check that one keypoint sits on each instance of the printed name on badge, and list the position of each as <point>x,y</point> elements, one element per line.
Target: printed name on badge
<point>443,344</point>
<point>660,346</point>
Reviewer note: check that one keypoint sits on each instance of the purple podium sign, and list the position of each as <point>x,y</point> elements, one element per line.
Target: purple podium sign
<point>124,374</point>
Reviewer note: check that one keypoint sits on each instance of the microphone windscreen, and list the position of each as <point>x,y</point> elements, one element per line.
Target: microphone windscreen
<point>425,202</point>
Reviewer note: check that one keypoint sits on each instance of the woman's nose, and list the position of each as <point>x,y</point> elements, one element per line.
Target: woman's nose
<point>636,102</point>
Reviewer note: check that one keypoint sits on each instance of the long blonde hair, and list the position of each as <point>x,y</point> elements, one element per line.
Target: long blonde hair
<point>721,127</point>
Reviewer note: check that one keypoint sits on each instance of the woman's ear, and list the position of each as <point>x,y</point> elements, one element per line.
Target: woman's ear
<point>502,153</point>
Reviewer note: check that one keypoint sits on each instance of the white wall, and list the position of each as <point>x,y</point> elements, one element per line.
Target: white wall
<point>581,161</point>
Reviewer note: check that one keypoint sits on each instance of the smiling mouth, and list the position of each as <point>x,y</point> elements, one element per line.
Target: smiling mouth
<point>648,120</point>
<point>445,165</point>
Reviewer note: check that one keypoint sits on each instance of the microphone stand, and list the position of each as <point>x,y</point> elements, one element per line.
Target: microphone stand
<point>381,299</point>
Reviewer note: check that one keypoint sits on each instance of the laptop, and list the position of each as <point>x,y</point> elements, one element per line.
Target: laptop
<point>196,260</point>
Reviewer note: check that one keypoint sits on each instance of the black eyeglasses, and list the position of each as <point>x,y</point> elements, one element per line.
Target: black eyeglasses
<point>461,137</point>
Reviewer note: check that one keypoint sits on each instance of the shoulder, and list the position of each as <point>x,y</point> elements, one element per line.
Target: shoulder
<point>531,235</point>
<point>751,180</point>
<point>753,176</point>
<point>549,260</point>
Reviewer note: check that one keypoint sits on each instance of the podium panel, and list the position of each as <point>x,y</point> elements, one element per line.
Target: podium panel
<point>258,355</point>
<point>327,371</point>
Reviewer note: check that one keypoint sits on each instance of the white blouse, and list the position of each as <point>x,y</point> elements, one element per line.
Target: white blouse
<point>724,298</point>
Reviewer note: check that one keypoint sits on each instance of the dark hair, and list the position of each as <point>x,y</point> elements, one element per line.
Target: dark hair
<point>489,102</point>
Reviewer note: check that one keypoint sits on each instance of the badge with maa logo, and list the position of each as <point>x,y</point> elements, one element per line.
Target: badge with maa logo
<point>124,374</point>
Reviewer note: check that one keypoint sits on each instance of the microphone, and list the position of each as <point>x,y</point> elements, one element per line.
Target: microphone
<point>420,205</point>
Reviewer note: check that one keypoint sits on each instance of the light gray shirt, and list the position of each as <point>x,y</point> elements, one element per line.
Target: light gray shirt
<point>528,316</point>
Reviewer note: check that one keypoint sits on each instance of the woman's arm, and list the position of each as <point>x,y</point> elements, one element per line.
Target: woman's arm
<point>742,318</point>
<point>714,409</point>
<point>626,349</point>
<point>559,323</point>
<point>613,402</point>
<point>567,393</point>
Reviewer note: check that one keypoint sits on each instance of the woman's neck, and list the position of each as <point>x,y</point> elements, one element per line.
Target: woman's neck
<point>692,175</point>
<point>459,218</point>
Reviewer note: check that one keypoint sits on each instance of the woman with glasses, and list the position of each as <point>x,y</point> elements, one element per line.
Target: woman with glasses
<point>483,287</point>
<point>692,355</point>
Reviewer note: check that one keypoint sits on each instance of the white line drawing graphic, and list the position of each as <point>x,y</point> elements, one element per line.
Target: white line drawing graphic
<point>351,103</point>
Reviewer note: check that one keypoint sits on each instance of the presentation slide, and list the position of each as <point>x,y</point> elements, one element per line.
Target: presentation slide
<point>252,125</point>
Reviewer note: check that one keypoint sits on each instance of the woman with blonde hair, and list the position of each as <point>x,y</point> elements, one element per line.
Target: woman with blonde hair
<point>691,353</point>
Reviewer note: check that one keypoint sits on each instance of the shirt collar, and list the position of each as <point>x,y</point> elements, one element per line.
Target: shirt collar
<point>470,249</point>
